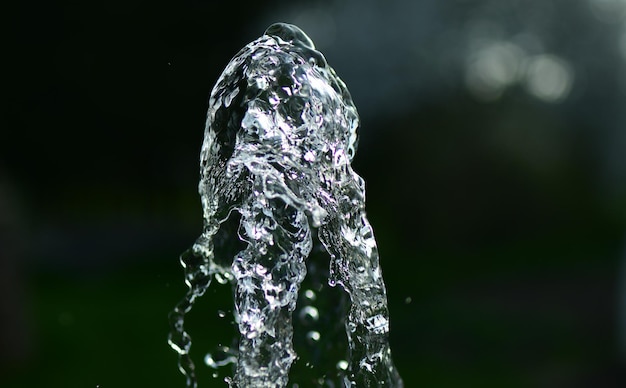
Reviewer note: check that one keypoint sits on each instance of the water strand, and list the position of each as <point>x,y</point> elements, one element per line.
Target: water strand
<point>277,192</point>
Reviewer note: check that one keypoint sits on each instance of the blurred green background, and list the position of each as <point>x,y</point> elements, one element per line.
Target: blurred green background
<point>493,144</point>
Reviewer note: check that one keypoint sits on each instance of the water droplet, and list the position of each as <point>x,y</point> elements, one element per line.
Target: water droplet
<point>342,365</point>
<point>221,313</point>
<point>221,278</point>
<point>408,300</point>
<point>309,315</point>
<point>310,295</point>
<point>313,337</point>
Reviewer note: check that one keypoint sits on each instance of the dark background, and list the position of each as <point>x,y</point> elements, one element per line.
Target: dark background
<point>492,143</point>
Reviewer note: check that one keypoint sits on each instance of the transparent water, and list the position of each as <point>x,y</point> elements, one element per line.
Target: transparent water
<point>280,199</point>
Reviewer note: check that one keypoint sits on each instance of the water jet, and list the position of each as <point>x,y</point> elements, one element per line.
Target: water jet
<point>277,188</point>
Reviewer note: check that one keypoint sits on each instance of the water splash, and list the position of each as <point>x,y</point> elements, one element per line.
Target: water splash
<point>275,170</point>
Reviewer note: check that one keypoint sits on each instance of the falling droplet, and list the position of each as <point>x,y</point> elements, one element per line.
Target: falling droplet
<point>310,295</point>
<point>313,337</point>
<point>309,315</point>
<point>342,365</point>
<point>221,279</point>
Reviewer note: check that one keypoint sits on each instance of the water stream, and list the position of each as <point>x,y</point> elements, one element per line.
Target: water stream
<point>280,199</point>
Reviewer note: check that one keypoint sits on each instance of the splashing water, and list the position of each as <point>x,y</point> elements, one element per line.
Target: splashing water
<point>275,170</point>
